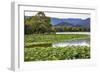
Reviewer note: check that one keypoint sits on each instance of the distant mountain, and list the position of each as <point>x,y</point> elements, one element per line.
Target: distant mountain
<point>64,24</point>
<point>74,22</point>
<point>84,23</point>
<point>71,21</point>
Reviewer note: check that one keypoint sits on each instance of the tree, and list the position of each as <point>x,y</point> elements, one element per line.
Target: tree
<point>39,23</point>
<point>43,23</point>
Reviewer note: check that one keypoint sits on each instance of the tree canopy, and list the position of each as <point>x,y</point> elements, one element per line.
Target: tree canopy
<point>38,24</point>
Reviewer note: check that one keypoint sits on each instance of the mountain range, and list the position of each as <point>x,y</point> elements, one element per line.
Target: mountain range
<point>74,22</point>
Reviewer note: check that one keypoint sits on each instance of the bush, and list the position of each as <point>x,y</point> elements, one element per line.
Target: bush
<point>28,29</point>
<point>38,44</point>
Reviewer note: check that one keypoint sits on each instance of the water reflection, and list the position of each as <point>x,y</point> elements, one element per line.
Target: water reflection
<point>81,42</point>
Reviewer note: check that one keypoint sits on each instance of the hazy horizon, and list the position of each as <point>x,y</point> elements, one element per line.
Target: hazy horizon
<point>60,15</point>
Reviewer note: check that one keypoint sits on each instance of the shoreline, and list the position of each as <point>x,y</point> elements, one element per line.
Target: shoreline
<point>88,33</point>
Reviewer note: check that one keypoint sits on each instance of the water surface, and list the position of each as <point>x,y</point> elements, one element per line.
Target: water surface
<point>78,42</point>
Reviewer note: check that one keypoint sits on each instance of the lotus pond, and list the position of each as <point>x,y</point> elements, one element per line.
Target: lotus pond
<point>39,47</point>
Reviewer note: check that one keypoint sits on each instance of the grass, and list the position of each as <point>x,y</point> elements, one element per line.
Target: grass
<point>60,53</point>
<point>52,38</point>
<point>39,44</point>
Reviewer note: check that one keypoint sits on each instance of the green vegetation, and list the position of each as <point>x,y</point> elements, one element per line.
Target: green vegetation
<point>40,44</point>
<point>40,23</point>
<point>52,38</point>
<point>40,34</point>
<point>60,53</point>
<point>70,29</point>
<point>38,47</point>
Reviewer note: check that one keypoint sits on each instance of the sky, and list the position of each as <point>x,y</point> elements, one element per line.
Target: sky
<point>60,15</point>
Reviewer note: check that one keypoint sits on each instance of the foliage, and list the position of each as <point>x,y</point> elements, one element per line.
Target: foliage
<point>39,24</point>
<point>53,53</point>
<point>70,29</point>
<point>52,38</point>
<point>28,29</point>
<point>37,44</point>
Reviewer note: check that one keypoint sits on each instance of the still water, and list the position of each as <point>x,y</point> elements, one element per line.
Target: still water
<point>78,42</point>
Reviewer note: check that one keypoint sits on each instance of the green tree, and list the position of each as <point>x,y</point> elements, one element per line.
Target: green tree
<point>40,23</point>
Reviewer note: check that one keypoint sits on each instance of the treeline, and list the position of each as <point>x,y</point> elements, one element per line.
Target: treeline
<point>70,29</point>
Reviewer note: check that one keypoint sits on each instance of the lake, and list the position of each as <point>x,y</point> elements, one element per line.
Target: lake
<point>87,33</point>
<point>78,42</point>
